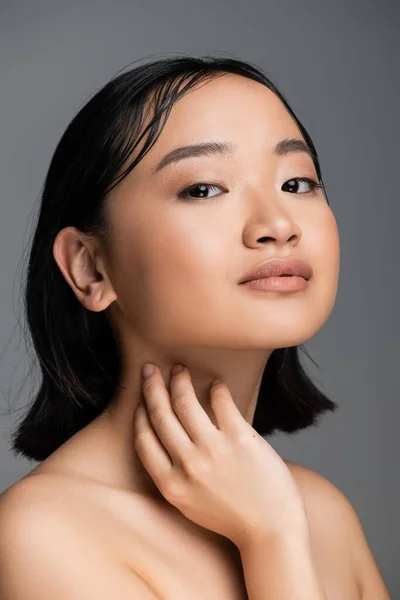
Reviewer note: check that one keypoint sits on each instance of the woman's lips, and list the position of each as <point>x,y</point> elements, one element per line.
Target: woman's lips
<point>275,267</point>
<point>284,283</point>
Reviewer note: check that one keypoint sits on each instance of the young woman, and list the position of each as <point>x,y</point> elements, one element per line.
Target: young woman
<point>183,221</point>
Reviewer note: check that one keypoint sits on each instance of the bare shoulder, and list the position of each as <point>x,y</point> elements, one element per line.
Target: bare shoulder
<point>334,521</point>
<point>46,553</point>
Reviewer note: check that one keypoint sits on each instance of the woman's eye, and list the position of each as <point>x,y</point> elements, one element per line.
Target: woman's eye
<point>292,183</point>
<point>200,188</point>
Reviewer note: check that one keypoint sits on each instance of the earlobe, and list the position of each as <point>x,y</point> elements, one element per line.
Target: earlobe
<point>76,259</point>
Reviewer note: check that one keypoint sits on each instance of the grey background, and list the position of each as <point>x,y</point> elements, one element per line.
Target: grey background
<point>337,63</point>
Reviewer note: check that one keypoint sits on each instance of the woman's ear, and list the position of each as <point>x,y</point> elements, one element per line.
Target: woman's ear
<point>83,267</point>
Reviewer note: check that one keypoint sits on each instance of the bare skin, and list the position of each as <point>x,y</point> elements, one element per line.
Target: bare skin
<point>174,557</point>
<point>170,290</point>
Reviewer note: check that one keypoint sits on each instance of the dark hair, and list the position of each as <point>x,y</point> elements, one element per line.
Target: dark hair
<point>76,349</point>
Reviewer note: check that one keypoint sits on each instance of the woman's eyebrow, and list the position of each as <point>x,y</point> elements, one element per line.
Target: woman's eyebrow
<point>286,146</point>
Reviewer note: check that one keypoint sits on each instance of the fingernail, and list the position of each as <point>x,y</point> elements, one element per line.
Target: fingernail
<point>176,369</point>
<point>215,382</point>
<point>147,370</point>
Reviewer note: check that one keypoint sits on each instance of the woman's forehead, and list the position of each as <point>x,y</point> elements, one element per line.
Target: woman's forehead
<point>231,111</point>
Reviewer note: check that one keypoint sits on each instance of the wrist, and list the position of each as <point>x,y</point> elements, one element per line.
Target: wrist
<point>281,566</point>
<point>295,536</point>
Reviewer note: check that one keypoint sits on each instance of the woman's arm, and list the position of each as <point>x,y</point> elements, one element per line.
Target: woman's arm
<point>281,568</point>
<point>336,524</point>
<point>367,571</point>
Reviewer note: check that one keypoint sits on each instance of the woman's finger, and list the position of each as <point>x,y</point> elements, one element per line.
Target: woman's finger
<point>163,419</point>
<point>190,412</point>
<point>151,451</point>
<point>228,417</point>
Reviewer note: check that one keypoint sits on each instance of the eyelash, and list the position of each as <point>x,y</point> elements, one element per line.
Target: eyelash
<point>184,194</point>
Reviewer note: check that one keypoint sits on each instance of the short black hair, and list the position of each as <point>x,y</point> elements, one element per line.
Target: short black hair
<point>77,353</point>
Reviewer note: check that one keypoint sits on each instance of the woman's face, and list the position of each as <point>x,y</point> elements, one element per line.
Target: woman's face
<point>176,262</point>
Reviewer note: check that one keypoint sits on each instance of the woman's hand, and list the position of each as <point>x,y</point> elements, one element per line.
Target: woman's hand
<point>226,478</point>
